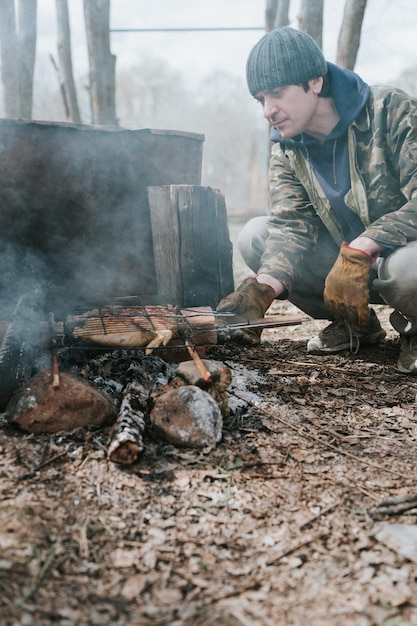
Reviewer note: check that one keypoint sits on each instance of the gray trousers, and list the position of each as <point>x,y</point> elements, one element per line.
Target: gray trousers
<point>393,279</point>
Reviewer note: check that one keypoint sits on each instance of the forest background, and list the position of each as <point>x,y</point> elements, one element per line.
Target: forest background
<point>194,81</point>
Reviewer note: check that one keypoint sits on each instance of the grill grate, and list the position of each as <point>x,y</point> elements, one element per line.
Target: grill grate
<point>125,319</point>
<point>127,322</point>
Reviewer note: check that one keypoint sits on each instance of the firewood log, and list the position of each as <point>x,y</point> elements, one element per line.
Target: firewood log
<point>125,441</point>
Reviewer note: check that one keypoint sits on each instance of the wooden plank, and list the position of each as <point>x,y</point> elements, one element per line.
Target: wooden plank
<point>192,249</point>
<point>165,237</point>
<point>225,258</point>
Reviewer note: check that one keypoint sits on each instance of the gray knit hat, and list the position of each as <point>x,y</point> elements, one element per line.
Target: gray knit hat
<point>284,56</point>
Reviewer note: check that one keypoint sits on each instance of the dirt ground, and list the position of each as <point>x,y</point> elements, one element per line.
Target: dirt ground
<point>280,525</point>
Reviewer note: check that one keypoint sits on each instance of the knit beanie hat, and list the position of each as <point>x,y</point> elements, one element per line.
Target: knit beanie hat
<point>284,56</point>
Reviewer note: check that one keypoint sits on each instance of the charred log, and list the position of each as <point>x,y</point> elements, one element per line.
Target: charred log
<point>140,379</point>
<point>126,437</point>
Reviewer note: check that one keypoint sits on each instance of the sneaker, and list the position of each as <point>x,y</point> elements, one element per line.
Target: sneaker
<point>407,361</point>
<point>340,336</point>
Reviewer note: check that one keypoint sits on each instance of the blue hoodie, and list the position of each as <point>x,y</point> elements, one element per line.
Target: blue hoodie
<point>329,159</point>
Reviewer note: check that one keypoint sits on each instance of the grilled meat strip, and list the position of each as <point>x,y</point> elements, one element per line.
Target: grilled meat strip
<point>126,327</point>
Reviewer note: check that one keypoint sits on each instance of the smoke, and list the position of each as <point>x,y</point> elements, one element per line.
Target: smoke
<point>21,271</point>
<point>74,212</point>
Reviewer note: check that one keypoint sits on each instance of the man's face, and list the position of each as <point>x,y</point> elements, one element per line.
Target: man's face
<point>290,109</point>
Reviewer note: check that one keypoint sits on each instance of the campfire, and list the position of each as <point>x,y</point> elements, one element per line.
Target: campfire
<point>164,382</point>
<point>135,221</point>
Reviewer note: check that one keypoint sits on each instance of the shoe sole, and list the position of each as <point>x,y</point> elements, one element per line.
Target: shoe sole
<point>404,370</point>
<point>373,339</point>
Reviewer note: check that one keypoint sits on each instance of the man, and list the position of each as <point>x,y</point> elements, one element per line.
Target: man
<point>342,229</point>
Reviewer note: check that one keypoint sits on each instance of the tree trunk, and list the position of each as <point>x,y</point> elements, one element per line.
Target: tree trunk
<point>102,62</point>
<point>350,33</point>
<point>65,73</point>
<point>310,19</point>
<point>9,59</point>
<point>27,52</point>
<point>276,14</point>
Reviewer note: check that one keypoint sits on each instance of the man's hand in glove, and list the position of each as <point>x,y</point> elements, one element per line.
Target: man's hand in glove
<point>346,290</point>
<point>250,301</point>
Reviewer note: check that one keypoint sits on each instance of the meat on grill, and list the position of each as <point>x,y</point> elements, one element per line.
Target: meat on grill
<point>126,327</point>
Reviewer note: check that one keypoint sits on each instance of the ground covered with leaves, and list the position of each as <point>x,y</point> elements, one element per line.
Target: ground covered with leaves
<point>284,523</point>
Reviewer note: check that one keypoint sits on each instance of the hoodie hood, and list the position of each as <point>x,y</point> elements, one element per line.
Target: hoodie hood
<point>350,94</point>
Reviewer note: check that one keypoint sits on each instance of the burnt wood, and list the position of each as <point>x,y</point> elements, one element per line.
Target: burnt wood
<point>126,437</point>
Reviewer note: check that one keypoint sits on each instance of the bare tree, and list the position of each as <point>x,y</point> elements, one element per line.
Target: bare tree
<point>65,72</point>
<point>276,13</point>
<point>350,33</point>
<point>26,37</point>
<point>310,19</point>
<point>18,49</point>
<point>102,62</point>
<point>9,58</point>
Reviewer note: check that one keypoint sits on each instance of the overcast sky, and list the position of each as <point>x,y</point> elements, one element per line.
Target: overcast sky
<point>388,44</point>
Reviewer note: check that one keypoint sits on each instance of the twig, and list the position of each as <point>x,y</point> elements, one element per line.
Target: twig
<point>40,575</point>
<point>264,476</point>
<point>302,544</point>
<point>412,498</point>
<point>319,366</point>
<point>83,540</point>
<point>395,506</point>
<point>198,362</point>
<point>391,511</point>
<point>41,466</point>
<point>261,463</point>
<point>366,492</point>
<point>323,512</point>
<point>56,383</point>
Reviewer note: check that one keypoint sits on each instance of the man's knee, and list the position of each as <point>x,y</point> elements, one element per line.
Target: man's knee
<point>252,241</point>
<point>397,279</point>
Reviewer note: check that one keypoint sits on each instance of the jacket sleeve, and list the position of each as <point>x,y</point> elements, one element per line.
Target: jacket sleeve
<point>293,224</point>
<point>395,137</point>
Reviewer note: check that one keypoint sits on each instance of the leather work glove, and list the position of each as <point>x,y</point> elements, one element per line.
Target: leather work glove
<point>250,301</point>
<point>346,290</point>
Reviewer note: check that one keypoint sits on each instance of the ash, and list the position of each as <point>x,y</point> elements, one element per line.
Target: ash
<point>245,383</point>
<point>110,371</point>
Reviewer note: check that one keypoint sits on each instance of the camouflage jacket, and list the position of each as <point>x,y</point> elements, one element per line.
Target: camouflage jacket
<point>382,145</point>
